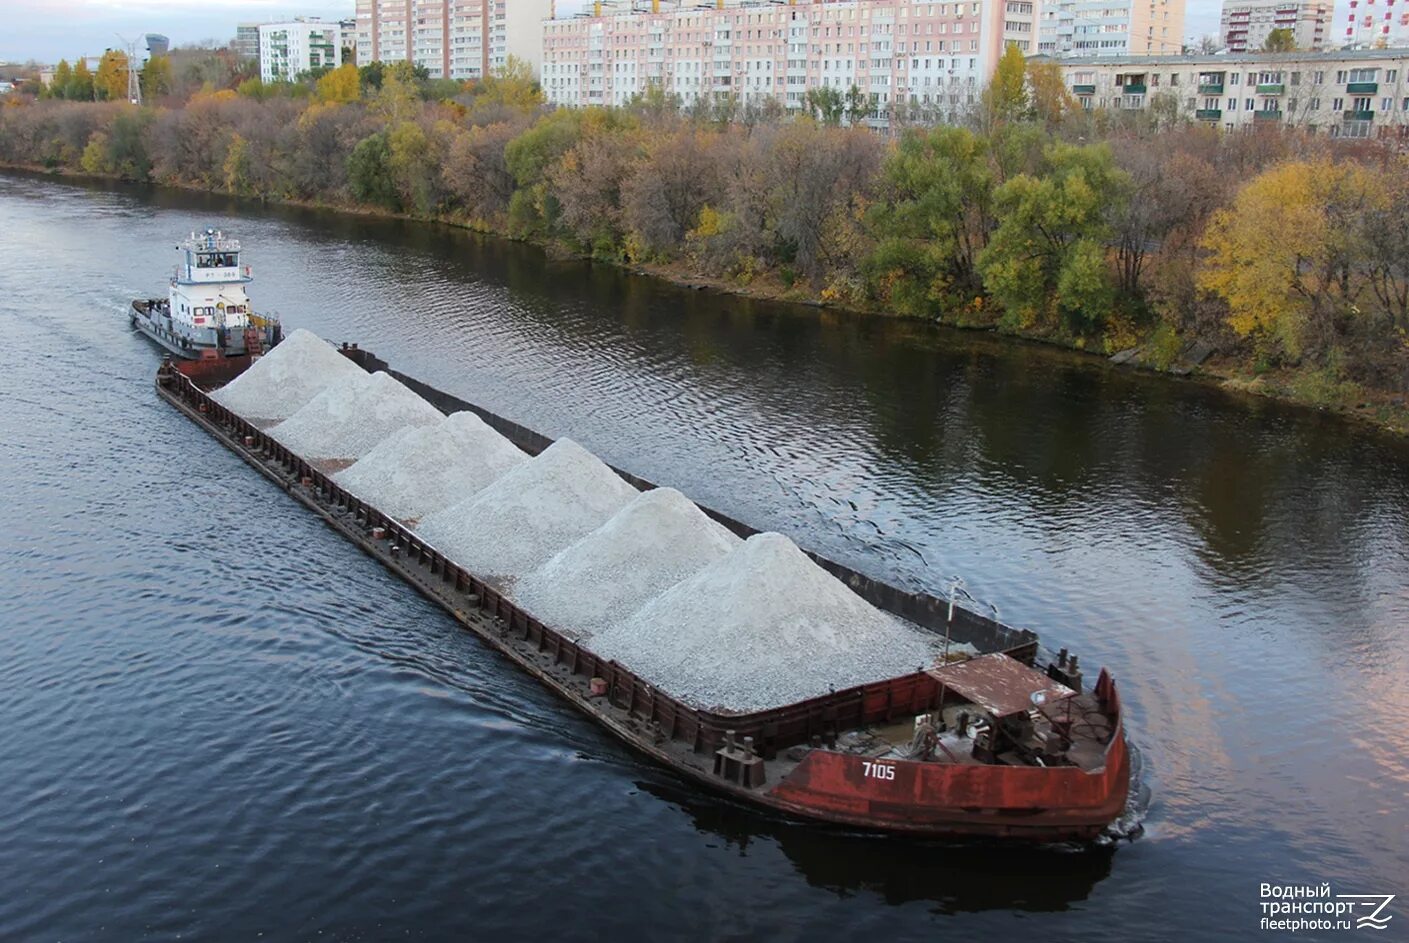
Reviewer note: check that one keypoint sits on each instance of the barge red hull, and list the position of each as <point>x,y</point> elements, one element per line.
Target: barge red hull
<point>792,764</point>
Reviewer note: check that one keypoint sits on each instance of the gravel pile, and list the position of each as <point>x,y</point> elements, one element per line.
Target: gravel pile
<point>286,379</point>
<point>425,468</point>
<point>762,627</point>
<point>647,547</point>
<point>515,525</point>
<point>351,417</point>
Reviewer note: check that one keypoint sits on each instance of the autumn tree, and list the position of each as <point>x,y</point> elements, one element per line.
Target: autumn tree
<point>1046,262</point>
<point>63,75</point>
<point>1281,39</point>
<point>80,83</point>
<point>665,190</point>
<point>156,77</point>
<point>476,174</point>
<point>512,87</point>
<point>111,80</point>
<point>1006,97</point>
<point>340,85</point>
<point>931,222</point>
<point>815,175</point>
<point>1051,101</point>
<point>1289,257</point>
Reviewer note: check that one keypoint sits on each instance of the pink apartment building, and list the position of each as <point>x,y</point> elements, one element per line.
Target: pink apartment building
<point>931,57</point>
<point>458,39</point>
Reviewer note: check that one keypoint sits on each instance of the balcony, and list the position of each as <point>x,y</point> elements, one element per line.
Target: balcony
<point>1359,116</point>
<point>1135,88</point>
<point>1209,114</point>
<point>1363,88</point>
<point>1211,89</point>
<point>1083,90</point>
<point>1267,115</point>
<point>1271,88</point>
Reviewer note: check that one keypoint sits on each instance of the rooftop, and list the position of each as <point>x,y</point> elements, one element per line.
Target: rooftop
<point>1333,55</point>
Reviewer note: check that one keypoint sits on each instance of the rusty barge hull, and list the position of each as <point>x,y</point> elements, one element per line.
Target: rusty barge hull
<point>792,764</point>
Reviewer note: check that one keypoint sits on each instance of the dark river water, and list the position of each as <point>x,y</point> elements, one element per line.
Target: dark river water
<point>218,720</point>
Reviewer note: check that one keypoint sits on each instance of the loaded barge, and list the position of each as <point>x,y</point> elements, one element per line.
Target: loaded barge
<point>992,746</point>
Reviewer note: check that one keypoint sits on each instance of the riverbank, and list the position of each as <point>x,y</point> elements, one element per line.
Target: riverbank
<point>1309,388</point>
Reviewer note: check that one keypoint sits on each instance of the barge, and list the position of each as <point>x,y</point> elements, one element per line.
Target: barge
<point>993,746</point>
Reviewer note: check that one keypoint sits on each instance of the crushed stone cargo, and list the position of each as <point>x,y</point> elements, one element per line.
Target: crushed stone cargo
<point>763,627</point>
<point>515,525</point>
<point>422,469</point>
<point>351,417</point>
<point>286,379</point>
<point>656,541</point>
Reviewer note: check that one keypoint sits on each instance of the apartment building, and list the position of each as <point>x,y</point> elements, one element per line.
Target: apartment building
<point>1245,24</point>
<point>1111,27</point>
<point>458,39</point>
<point>246,44</point>
<point>933,58</point>
<point>1377,24</point>
<point>287,50</point>
<point>1355,93</point>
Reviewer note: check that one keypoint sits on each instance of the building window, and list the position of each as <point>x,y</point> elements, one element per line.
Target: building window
<point>1233,79</point>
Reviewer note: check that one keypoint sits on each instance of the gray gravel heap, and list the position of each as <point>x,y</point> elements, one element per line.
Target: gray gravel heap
<point>283,381</point>
<point>425,468</point>
<point>647,547</point>
<point>515,525</point>
<point>351,417</point>
<point>762,627</point>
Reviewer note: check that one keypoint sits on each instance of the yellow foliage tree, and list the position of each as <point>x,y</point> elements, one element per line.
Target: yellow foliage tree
<point>1285,256</point>
<point>340,85</point>
<point>111,80</point>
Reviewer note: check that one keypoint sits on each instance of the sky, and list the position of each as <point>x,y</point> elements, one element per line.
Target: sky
<point>48,30</point>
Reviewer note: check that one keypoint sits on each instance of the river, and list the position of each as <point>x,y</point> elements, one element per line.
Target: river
<point>221,720</point>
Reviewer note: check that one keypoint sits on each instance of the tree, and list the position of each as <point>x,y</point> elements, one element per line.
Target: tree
<point>931,222</point>
<point>63,75</point>
<point>826,104</point>
<point>477,175</point>
<point>369,172</point>
<point>513,87</point>
<point>340,85</point>
<point>858,106</point>
<point>1006,97</point>
<point>111,80</point>
<point>371,75</point>
<point>156,77</point>
<point>1047,257</point>
<point>1289,256</point>
<point>1281,39</point>
<point>80,83</point>
<point>1051,101</point>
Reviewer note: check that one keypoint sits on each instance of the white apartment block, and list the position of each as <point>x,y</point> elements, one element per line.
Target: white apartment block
<point>1111,27</point>
<point>1245,24</point>
<point>1377,24</point>
<point>931,57</point>
<point>457,39</point>
<point>1350,93</point>
<point>287,50</point>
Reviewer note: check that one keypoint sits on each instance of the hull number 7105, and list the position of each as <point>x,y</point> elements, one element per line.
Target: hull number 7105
<point>877,770</point>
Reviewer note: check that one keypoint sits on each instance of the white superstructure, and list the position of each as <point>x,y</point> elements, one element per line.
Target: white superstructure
<point>208,288</point>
